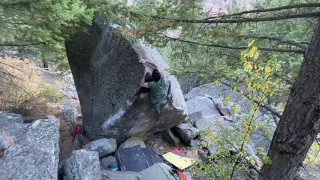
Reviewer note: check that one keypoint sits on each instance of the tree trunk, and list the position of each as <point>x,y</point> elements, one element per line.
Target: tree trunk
<point>300,122</point>
<point>45,64</point>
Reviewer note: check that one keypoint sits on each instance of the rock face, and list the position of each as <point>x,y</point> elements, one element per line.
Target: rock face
<point>103,146</point>
<point>31,150</point>
<point>82,164</point>
<point>107,76</point>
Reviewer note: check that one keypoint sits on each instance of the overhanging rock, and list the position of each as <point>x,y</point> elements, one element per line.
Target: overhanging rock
<point>107,74</point>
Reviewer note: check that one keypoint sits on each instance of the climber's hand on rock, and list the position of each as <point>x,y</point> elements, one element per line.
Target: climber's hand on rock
<point>142,61</point>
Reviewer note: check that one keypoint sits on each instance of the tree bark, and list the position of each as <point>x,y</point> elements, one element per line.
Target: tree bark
<point>300,121</point>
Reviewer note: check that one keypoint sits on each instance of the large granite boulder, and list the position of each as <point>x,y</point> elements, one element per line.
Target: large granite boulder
<point>82,164</point>
<point>31,150</point>
<point>203,105</point>
<point>218,93</point>
<point>107,75</point>
<point>211,123</point>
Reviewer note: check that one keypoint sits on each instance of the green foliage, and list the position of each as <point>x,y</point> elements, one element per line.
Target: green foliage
<point>41,26</point>
<point>47,21</point>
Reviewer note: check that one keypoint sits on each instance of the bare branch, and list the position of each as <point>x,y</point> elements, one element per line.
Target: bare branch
<point>5,72</point>
<point>239,47</point>
<point>282,40</point>
<point>14,68</point>
<point>243,20</point>
<point>294,6</point>
<point>30,44</point>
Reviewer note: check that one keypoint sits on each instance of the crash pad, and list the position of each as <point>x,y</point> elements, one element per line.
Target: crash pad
<point>136,158</point>
<point>159,171</point>
<point>132,159</point>
<point>179,161</point>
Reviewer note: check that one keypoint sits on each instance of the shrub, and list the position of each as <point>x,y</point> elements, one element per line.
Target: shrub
<point>23,90</point>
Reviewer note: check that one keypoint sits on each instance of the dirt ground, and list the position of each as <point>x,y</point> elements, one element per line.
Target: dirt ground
<point>157,143</point>
<point>66,145</point>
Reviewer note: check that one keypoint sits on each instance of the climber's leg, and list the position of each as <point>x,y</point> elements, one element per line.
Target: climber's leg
<point>156,108</point>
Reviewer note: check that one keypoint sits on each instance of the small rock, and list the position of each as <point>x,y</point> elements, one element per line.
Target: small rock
<point>170,137</point>
<point>186,132</point>
<point>109,163</point>
<point>203,154</point>
<point>194,143</point>
<point>69,115</point>
<point>195,116</point>
<point>103,146</point>
<point>83,164</point>
<point>133,141</point>
<point>161,147</point>
<point>61,166</point>
<point>117,175</point>
<point>78,141</point>
<point>212,149</point>
<point>67,105</point>
<point>6,117</point>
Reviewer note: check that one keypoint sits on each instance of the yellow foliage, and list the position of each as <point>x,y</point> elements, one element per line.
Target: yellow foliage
<point>23,90</point>
<point>251,43</point>
<point>313,156</point>
<point>267,69</point>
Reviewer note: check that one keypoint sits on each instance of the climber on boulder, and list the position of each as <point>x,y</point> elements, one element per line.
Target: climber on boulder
<point>155,83</point>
